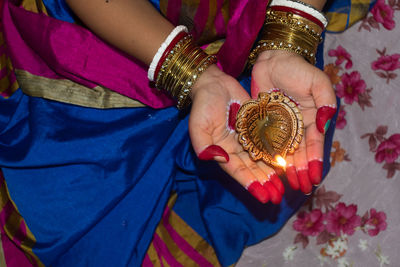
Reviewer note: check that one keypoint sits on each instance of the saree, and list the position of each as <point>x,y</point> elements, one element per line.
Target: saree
<point>97,168</point>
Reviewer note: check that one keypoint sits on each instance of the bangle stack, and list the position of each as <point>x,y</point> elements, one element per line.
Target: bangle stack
<point>177,34</point>
<point>300,8</point>
<point>179,66</point>
<point>291,26</point>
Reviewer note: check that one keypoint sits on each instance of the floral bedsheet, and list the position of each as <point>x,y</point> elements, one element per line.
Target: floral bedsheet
<point>353,219</point>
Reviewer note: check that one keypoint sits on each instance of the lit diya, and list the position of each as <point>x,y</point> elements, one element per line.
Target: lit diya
<point>270,127</point>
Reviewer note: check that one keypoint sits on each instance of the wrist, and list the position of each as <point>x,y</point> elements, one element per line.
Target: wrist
<point>212,76</point>
<point>269,55</point>
<point>291,25</point>
<point>178,65</point>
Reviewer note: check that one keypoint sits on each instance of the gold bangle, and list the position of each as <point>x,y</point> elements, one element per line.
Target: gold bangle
<point>289,32</point>
<point>181,69</point>
<point>164,66</point>
<point>188,58</point>
<point>282,45</point>
<point>183,101</point>
<point>173,66</point>
<point>293,20</point>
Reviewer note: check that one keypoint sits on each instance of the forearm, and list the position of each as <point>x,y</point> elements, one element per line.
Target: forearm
<point>135,27</point>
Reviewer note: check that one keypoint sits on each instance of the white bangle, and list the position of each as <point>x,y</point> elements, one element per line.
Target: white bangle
<point>161,50</point>
<point>302,7</point>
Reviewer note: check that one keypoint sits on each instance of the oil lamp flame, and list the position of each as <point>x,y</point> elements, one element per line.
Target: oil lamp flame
<point>280,160</point>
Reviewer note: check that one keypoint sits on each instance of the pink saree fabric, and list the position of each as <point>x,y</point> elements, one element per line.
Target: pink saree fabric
<point>60,50</point>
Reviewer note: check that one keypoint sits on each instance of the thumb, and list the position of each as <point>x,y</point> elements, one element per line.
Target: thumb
<point>325,100</point>
<point>203,145</point>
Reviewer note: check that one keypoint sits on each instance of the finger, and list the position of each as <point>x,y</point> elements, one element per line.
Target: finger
<point>242,173</point>
<point>213,152</point>
<point>324,116</point>
<point>265,175</point>
<point>291,173</point>
<point>203,144</point>
<point>276,196</point>
<point>315,147</point>
<point>325,100</point>
<point>259,173</point>
<point>300,161</point>
<point>276,181</point>
<point>272,183</point>
<point>265,169</point>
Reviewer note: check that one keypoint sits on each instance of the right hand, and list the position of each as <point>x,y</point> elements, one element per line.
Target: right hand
<point>212,139</point>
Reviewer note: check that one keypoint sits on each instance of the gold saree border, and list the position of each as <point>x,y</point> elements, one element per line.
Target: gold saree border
<point>67,91</point>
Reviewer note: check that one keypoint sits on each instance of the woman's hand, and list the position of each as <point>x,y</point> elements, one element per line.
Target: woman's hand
<point>313,91</point>
<point>215,97</point>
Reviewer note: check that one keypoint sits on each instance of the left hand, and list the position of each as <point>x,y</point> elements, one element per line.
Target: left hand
<point>213,137</point>
<point>313,91</point>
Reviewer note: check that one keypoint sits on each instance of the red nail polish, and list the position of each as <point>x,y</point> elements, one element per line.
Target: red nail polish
<point>276,197</point>
<point>315,171</point>
<point>277,183</point>
<point>258,191</point>
<point>233,110</point>
<point>304,181</point>
<point>324,115</point>
<point>213,151</point>
<point>291,174</point>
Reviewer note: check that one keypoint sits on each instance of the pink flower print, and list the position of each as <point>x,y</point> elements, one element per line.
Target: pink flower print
<point>388,150</point>
<point>309,224</point>
<point>387,63</point>
<point>341,55</point>
<point>351,87</point>
<point>343,219</point>
<point>378,221</point>
<point>383,14</point>
<point>341,120</point>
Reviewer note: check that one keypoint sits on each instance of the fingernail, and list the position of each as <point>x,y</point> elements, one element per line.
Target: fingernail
<point>277,183</point>
<point>291,174</point>
<point>324,116</point>
<point>304,181</point>
<point>315,171</point>
<point>214,152</point>
<point>233,110</point>
<point>276,197</point>
<point>258,191</point>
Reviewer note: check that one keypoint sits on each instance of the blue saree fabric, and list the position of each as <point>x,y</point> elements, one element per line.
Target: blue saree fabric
<point>92,184</point>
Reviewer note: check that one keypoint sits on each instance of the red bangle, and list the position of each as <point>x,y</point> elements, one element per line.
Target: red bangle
<point>166,52</point>
<point>300,13</point>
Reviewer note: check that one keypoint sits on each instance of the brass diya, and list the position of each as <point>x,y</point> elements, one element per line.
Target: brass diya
<point>269,127</point>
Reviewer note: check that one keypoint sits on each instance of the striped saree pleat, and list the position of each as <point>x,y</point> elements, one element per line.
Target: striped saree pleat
<point>222,17</point>
<point>2,258</point>
<point>175,243</point>
<point>8,81</point>
<point>341,18</point>
<point>16,238</point>
<point>205,19</point>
